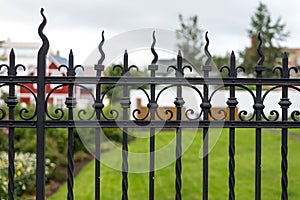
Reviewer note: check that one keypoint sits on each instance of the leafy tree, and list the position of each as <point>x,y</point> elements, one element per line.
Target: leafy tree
<point>190,38</point>
<point>273,33</point>
<point>220,61</point>
<point>190,42</point>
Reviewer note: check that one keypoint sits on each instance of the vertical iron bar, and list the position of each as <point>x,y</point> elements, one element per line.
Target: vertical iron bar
<point>40,146</point>
<point>205,145</point>
<point>97,148</point>
<point>125,103</point>
<point>258,110</point>
<point>152,142</point>
<point>284,103</point>
<point>70,103</point>
<point>11,102</point>
<point>152,106</point>
<point>284,164</point>
<point>98,107</point>
<point>178,103</point>
<point>258,107</point>
<point>205,106</point>
<point>232,102</point>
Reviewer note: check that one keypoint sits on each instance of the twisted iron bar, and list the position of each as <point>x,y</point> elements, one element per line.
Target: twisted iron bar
<point>284,168</point>
<point>178,184</point>
<point>11,168</point>
<point>232,165</point>
<point>70,174</point>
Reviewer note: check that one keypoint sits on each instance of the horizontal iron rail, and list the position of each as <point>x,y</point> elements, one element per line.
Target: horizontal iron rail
<point>149,124</point>
<point>156,80</point>
<point>18,79</point>
<point>18,123</point>
<point>172,124</point>
<point>172,80</point>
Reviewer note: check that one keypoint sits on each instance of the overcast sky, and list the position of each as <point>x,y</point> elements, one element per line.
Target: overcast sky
<point>77,24</point>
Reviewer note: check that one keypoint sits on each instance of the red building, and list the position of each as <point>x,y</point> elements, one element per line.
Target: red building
<point>58,96</point>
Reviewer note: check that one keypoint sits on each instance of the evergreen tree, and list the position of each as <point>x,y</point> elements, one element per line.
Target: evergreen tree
<point>190,41</point>
<point>273,33</point>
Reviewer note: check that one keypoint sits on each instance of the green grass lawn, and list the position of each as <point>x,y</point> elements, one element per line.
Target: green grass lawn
<point>192,170</point>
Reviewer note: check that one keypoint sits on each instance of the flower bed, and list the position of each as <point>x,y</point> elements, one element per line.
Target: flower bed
<point>25,166</point>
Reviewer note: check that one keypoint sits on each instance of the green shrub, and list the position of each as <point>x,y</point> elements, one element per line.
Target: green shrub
<point>3,139</point>
<point>25,173</point>
<point>56,147</point>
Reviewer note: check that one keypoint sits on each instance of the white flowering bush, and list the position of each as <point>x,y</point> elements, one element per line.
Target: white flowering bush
<point>25,165</point>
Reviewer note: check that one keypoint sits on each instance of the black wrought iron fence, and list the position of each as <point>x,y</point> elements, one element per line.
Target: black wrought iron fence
<point>41,119</point>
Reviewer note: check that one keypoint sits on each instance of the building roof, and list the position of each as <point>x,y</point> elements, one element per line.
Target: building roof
<point>57,60</point>
<point>8,44</point>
